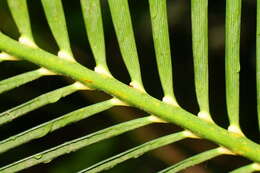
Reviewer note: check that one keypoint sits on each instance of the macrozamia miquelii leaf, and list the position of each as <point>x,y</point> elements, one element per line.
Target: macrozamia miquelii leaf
<point>230,141</point>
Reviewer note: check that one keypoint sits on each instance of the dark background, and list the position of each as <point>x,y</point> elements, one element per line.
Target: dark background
<point>180,38</point>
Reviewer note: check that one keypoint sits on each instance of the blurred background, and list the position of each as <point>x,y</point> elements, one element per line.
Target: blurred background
<point>180,38</point>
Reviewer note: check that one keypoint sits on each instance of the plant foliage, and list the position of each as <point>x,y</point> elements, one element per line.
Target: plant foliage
<point>230,141</point>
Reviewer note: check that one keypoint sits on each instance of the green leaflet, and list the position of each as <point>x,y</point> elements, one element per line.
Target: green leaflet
<point>125,36</point>
<point>21,17</point>
<point>158,11</point>
<point>247,169</point>
<point>48,155</point>
<point>55,16</point>
<point>199,16</point>
<point>44,99</point>
<point>18,80</point>
<point>135,152</point>
<point>232,64</point>
<point>48,127</point>
<point>93,22</point>
<point>191,161</point>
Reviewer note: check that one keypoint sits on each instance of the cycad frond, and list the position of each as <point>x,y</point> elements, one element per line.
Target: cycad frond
<point>229,141</point>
